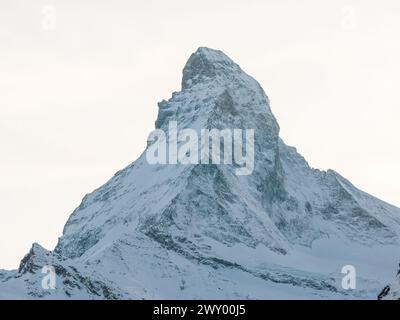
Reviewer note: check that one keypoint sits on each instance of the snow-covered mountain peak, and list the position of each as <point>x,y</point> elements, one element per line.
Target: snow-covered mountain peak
<point>33,260</point>
<point>200,231</point>
<point>206,64</point>
<point>217,93</point>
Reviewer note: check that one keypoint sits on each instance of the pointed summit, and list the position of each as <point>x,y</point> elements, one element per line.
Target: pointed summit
<point>217,93</point>
<point>205,64</point>
<point>199,231</point>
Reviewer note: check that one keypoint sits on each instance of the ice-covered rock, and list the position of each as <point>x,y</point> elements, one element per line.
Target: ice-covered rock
<point>202,231</point>
<point>392,290</point>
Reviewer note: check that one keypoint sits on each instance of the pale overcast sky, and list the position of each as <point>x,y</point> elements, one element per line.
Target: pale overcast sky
<point>80,82</point>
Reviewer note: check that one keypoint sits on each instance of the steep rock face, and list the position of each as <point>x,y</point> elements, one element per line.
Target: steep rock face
<point>202,231</point>
<point>216,94</point>
<point>29,281</point>
<point>328,205</point>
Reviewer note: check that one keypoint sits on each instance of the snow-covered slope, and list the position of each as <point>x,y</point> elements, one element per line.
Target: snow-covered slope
<point>392,290</point>
<point>201,231</point>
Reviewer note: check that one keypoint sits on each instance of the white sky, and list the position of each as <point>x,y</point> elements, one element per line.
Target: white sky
<point>78,101</point>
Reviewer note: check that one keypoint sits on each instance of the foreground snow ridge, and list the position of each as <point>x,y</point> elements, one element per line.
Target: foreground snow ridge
<point>202,232</point>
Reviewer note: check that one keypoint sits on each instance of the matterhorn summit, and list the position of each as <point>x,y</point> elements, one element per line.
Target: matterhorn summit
<point>200,230</point>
